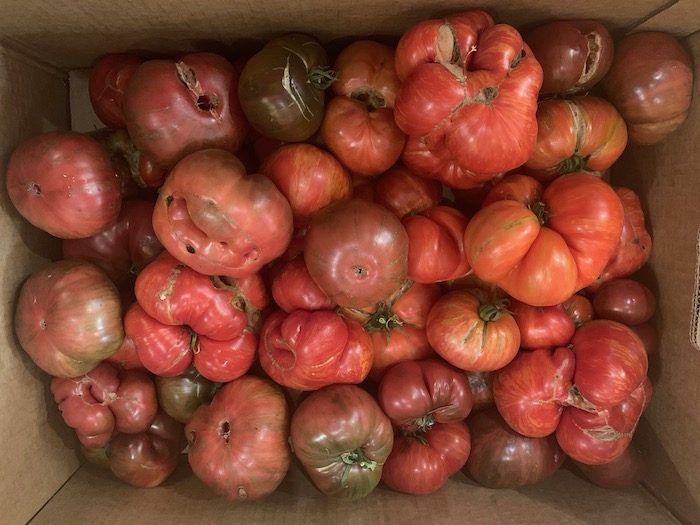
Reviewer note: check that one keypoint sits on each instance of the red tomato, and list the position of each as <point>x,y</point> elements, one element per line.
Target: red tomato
<point>542,256</point>
<point>647,335</point>
<point>580,134</point>
<point>149,458</point>
<point>309,350</point>
<point>635,242</point>
<point>68,318</point>
<point>574,54</point>
<point>469,91</point>
<point>107,85</point>
<point>602,435</point>
<point>610,362</point>
<point>501,458</point>
<point>579,309</point>
<point>173,108</point>
<point>218,220</point>
<point>63,183</point>
<point>624,300</point>
<point>404,193</point>
<point>308,177</point>
<point>294,289</point>
<point>481,384</point>
<point>105,401</point>
<point>421,464</point>
<point>417,394</point>
<point>238,442</point>
<point>126,357</point>
<point>531,391</point>
<point>436,245</point>
<point>651,83</point>
<point>542,326</point>
<point>346,462</point>
<point>627,470</point>
<point>124,248</point>
<point>356,252</point>
<point>358,124</point>
<point>472,333</point>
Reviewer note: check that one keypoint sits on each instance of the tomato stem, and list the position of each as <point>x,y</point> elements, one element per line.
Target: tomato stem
<point>540,210</point>
<point>322,77</point>
<point>493,311</point>
<point>573,164</point>
<point>424,423</point>
<point>356,457</point>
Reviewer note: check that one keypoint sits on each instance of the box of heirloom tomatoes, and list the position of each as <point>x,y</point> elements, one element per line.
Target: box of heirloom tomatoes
<point>387,262</point>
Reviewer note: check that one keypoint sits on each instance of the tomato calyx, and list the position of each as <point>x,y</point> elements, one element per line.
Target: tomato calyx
<point>421,424</point>
<point>371,98</point>
<point>573,164</point>
<point>322,77</point>
<point>491,310</point>
<point>539,208</point>
<point>355,457</point>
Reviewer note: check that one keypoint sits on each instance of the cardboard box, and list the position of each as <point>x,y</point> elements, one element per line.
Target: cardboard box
<point>44,477</point>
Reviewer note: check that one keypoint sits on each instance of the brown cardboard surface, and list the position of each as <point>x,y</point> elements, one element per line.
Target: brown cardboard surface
<point>680,19</point>
<point>72,34</point>
<point>666,176</point>
<point>35,458</point>
<point>94,496</point>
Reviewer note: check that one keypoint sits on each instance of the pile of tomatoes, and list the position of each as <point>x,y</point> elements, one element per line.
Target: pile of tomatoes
<point>389,266</point>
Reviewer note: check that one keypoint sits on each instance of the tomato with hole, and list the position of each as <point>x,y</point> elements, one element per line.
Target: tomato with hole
<point>124,248</point>
<point>238,443</point>
<point>542,326</point>
<point>281,87</point>
<point>624,300</point>
<point>610,362</point>
<point>293,288</point>
<point>309,177</point>
<point>175,107</point>
<point>543,253</point>
<point>148,458</point>
<point>579,134</point>
<point>107,85</point>
<point>356,252</point>
<point>404,193</point>
<point>531,391</point>
<point>63,183</point>
<point>307,350</point>
<point>471,332</point>
<point>104,401</point>
<point>397,325</point>
<point>650,82</point>
<point>436,245</point>
<point>501,458</point>
<point>214,217</point>
<point>346,463</point>
<point>179,396</point>
<point>417,394</point>
<point>601,435</point>
<point>358,124</point>
<point>469,91</point>
<point>635,245</point>
<point>574,54</point>
<point>421,463</point>
<point>68,317</point>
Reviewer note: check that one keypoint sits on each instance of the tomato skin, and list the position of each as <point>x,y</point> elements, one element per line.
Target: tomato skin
<point>307,350</point>
<point>434,83</point>
<point>501,458</point>
<point>459,334</point>
<point>481,384</point>
<point>107,84</point>
<point>635,245</point>
<point>276,90</point>
<point>356,252</point>
<point>626,301</point>
<point>602,435</point>
<point>294,289</point>
<point>149,458</point>
<point>63,183</point>
<point>403,193</point>
<point>309,177</point>
<point>104,401</point>
<point>436,245</point>
<point>346,463</point>
<point>542,326</point>
<point>173,108</point>
<point>574,54</point>
<point>181,395</point>
<point>627,470</point>
<point>610,362</point>
<point>545,265</point>
<point>531,391</point>
<point>68,318</point>
<point>217,219</point>
<point>579,309</point>
<point>238,442</point>
<point>417,394</point>
<point>650,82</point>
